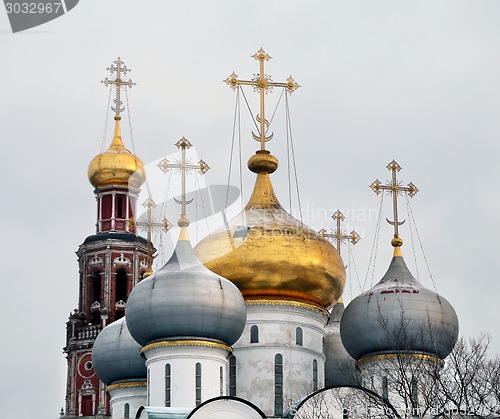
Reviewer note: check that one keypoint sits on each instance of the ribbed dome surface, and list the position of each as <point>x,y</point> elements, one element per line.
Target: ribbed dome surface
<point>399,315</point>
<point>116,355</point>
<point>268,254</point>
<point>184,300</point>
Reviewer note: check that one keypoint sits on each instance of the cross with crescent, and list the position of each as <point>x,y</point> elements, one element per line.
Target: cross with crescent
<point>149,224</point>
<point>263,84</point>
<point>118,69</point>
<point>183,166</point>
<point>395,188</point>
<point>339,236</point>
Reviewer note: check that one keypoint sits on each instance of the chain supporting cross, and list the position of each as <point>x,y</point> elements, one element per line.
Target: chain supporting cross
<point>338,235</point>
<point>395,188</point>
<point>263,84</point>
<point>183,166</point>
<point>149,224</point>
<point>118,69</point>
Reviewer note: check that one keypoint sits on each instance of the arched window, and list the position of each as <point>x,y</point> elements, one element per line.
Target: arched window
<point>232,375</point>
<point>149,387</point>
<point>315,375</point>
<point>254,334</point>
<point>121,283</point>
<point>119,206</point>
<point>385,388</point>
<point>126,410</point>
<point>298,336</point>
<point>278,385</point>
<point>95,287</point>
<point>94,294</point>
<point>414,392</point>
<point>221,382</point>
<point>168,379</point>
<point>198,383</point>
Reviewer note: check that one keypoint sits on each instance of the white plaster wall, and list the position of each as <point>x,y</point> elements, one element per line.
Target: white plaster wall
<point>255,361</point>
<point>134,396</point>
<point>182,360</point>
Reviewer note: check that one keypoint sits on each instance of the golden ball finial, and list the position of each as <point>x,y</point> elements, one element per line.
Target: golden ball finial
<point>263,162</point>
<point>397,241</point>
<point>117,165</point>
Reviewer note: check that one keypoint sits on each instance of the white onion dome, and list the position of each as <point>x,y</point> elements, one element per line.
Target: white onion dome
<point>185,300</point>
<point>399,315</point>
<point>116,355</point>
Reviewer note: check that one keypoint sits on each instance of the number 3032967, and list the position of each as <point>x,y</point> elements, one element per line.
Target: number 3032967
<point>33,8</point>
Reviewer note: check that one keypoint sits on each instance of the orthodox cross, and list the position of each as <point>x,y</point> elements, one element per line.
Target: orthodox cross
<point>263,84</point>
<point>339,236</point>
<point>183,166</point>
<point>394,188</point>
<point>149,224</point>
<point>118,69</point>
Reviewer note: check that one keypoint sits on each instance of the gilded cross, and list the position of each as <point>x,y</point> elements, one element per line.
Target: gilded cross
<point>338,235</point>
<point>149,224</point>
<point>118,69</point>
<point>263,84</point>
<point>395,188</point>
<point>184,166</point>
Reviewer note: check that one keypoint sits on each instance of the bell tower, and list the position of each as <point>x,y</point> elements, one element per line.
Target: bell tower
<point>111,261</point>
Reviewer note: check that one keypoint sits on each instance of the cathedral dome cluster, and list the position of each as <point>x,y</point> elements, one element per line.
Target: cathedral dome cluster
<point>117,165</point>
<point>273,255</point>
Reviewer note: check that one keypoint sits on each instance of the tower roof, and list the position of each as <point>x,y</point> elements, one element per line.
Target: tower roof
<point>117,165</point>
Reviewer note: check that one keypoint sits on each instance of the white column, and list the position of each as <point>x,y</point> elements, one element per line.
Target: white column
<point>131,393</point>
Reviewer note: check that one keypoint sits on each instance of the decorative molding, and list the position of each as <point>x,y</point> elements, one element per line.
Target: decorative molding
<point>288,304</point>
<point>417,356</point>
<point>121,260</point>
<point>127,384</point>
<point>171,343</point>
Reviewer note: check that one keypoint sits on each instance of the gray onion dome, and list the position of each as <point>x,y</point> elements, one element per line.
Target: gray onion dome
<point>340,369</point>
<point>399,315</point>
<point>116,355</point>
<point>185,300</point>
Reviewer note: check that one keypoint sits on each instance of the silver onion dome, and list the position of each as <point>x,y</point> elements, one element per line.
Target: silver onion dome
<point>399,315</point>
<point>116,355</point>
<point>185,300</point>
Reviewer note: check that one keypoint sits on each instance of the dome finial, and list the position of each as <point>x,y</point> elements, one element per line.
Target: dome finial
<point>117,70</point>
<point>394,188</point>
<point>338,235</point>
<point>117,165</point>
<point>263,84</point>
<point>149,224</point>
<point>184,166</point>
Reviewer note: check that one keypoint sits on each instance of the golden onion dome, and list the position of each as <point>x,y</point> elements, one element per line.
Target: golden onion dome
<point>268,254</point>
<point>117,165</point>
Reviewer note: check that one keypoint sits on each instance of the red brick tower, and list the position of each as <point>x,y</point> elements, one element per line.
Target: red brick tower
<point>111,262</point>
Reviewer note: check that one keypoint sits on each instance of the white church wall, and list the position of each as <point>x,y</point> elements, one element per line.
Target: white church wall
<point>183,372</point>
<point>255,362</point>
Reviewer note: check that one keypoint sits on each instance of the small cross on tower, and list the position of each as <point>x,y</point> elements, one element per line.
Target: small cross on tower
<point>184,166</point>
<point>118,69</point>
<point>395,188</point>
<point>148,225</point>
<point>263,84</point>
<point>339,236</point>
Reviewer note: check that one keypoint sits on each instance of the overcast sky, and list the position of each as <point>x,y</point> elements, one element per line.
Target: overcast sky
<point>418,82</point>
